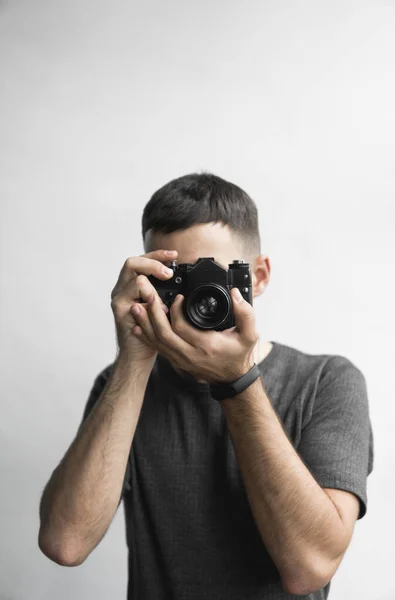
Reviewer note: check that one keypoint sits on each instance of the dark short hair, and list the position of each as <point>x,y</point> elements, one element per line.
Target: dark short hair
<point>203,198</point>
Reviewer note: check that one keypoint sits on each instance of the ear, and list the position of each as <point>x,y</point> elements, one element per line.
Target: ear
<point>260,270</point>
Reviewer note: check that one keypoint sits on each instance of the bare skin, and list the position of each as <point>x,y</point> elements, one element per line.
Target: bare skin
<point>83,492</point>
<point>216,240</point>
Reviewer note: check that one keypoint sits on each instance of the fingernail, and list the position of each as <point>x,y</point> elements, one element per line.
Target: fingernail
<point>164,307</point>
<point>170,252</point>
<point>135,309</point>
<point>167,271</point>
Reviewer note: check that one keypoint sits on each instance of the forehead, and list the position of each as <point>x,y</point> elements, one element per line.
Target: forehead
<point>203,240</point>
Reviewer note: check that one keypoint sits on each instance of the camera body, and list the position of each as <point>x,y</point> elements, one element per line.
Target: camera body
<point>206,287</point>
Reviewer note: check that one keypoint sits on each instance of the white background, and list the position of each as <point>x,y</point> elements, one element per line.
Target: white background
<point>101,103</point>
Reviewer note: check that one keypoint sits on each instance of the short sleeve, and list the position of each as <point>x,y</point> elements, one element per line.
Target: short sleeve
<point>94,395</point>
<point>337,442</point>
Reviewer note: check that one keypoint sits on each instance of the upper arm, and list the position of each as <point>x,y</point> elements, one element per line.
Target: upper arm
<point>347,505</point>
<point>336,445</point>
<point>337,441</point>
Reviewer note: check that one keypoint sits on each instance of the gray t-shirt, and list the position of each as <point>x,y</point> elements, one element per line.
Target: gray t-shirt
<point>189,527</point>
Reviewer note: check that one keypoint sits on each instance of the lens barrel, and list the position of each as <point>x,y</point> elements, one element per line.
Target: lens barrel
<point>208,306</point>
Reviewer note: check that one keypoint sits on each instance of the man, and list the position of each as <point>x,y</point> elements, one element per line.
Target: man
<point>246,495</point>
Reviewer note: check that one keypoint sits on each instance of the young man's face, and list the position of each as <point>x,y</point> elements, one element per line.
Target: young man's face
<point>210,239</point>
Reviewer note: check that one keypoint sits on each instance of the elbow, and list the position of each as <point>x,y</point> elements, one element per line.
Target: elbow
<point>303,587</point>
<point>62,552</point>
<point>308,582</point>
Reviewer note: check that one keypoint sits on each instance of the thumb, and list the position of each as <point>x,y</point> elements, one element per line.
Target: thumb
<point>244,316</point>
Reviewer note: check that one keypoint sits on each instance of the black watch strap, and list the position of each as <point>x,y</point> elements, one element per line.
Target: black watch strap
<point>220,391</point>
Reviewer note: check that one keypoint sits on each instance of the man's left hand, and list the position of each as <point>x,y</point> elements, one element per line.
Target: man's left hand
<point>214,356</point>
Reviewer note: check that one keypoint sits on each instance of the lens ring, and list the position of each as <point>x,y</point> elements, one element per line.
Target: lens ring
<point>208,306</point>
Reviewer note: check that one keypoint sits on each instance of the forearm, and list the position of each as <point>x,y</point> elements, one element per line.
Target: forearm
<point>83,493</point>
<point>297,521</point>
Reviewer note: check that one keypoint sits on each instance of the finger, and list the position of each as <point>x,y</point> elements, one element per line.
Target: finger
<point>163,331</point>
<point>244,317</point>
<point>137,291</point>
<point>140,315</point>
<point>139,287</point>
<point>148,264</point>
<point>181,326</point>
<point>138,332</point>
<point>158,254</point>
<point>144,327</point>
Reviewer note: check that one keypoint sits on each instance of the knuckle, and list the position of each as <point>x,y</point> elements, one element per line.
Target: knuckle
<point>130,262</point>
<point>116,308</point>
<point>140,280</point>
<point>114,300</point>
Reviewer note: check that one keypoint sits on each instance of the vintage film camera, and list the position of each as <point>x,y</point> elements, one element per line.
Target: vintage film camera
<point>206,287</point>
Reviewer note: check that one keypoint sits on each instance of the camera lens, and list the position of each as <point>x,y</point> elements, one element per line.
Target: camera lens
<point>208,306</point>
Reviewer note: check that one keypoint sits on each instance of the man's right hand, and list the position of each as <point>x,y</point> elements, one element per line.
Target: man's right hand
<point>132,284</point>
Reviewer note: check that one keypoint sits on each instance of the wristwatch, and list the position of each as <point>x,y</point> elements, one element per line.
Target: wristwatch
<point>220,391</point>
